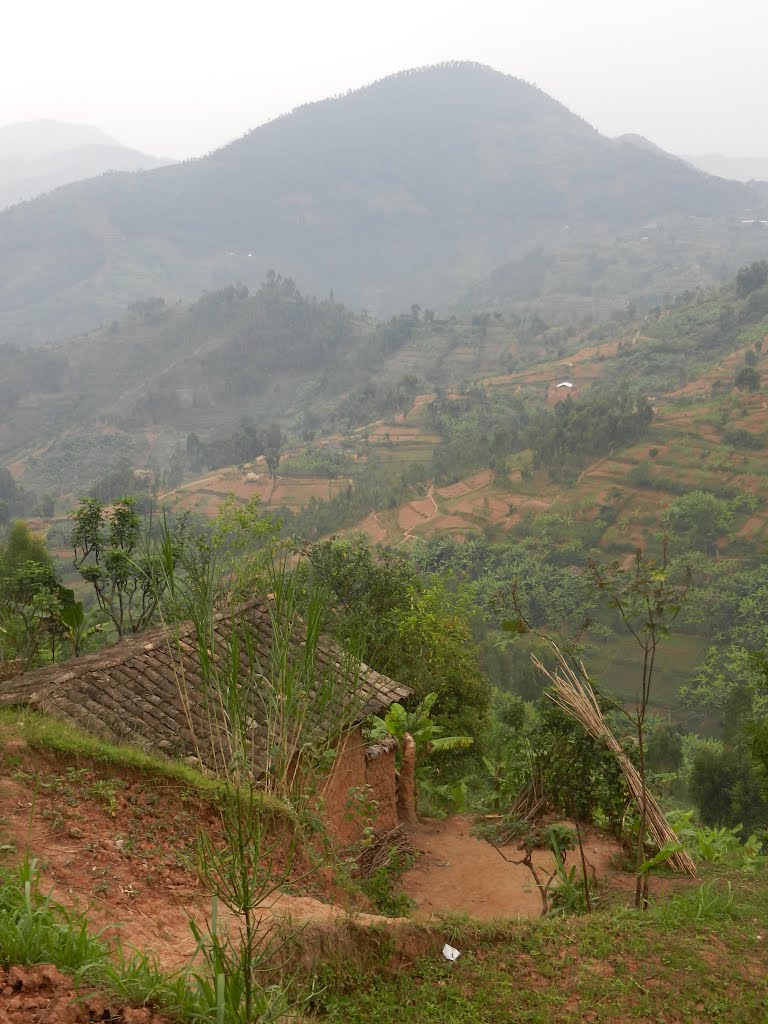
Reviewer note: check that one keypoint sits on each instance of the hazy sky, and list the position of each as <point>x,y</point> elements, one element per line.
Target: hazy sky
<point>180,78</point>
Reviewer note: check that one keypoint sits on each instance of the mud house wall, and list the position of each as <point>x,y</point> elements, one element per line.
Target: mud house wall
<point>353,773</point>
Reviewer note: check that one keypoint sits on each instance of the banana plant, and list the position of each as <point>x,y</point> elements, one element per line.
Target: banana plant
<point>73,624</point>
<point>427,735</point>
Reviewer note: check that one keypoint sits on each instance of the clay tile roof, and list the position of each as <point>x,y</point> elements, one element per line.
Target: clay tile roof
<point>152,689</point>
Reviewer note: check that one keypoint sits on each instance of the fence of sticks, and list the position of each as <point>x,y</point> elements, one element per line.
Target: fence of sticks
<point>577,699</point>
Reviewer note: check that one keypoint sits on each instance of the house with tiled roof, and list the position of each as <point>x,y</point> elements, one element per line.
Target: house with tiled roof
<point>159,690</point>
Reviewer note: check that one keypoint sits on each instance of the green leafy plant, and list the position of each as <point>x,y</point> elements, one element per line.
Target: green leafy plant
<point>75,627</point>
<point>661,857</point>
<point>565,891</point>
<point>426,734</point>
<point>717,845</point>
<point>114,553</point>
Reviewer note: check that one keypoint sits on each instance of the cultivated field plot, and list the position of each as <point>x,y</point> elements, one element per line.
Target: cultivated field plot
<point>207,494</point>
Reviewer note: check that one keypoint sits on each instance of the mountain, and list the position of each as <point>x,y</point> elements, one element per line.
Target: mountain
<point>740,168</point>
<point>38,156</point>
<point>640,141</point>
<point>37,140</point>
<point>136,387</point>
<point>397,193</point>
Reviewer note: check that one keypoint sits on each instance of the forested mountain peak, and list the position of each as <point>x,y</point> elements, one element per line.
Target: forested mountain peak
<point>397,193</point>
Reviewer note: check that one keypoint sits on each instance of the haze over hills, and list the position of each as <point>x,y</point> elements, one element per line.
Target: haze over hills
<point>732,168</point>
<point>640,141</point>
<point>37,156</point>
<point>397,193</point>
<point>740,168</point>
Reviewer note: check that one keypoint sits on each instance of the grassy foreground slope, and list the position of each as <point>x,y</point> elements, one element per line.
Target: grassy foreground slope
<point>115,832</point>
<point>699,956</point>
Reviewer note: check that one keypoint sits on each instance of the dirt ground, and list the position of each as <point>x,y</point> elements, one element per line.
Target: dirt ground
<point>33,995</point>
<point>120,846</point>
<point>456,872</point>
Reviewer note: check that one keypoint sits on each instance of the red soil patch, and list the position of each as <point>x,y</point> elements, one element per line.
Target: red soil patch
<point>42,993</point>
<point>449,523</point>
<point>469,507</point>
<point>420,401</point>
<point>424,506</point>
<point>496,508</point>
<point>241,487</point>
<point>752,527</point>
<point>454,490</point>
<point>531,504</point>
<point>127,863</point>
<point>373,528</point>
<point>457,872</point>
<point>472,483</point>
<point>408,518</point>
<point>122,847</point>
<point>607,349</point>
<point>298,492</point>
<point>416,514</point>
<point>499,510</point>
<point>480,479</point>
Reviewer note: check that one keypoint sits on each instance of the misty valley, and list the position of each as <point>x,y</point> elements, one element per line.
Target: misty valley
<point>383,518</point>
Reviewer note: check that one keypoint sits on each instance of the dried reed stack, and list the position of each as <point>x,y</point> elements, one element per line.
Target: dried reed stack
<point>577,699</point>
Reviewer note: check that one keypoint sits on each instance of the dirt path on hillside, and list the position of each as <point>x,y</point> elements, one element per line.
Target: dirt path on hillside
<point>458,873</point>
<point>408,535</point>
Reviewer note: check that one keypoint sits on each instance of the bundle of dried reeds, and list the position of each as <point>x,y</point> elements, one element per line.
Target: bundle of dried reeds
<point>531,802</point>
<point>576,697</point>
<point>384,851</point>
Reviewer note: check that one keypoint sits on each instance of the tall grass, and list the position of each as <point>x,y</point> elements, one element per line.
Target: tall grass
<point>273,705</point>
<point>35,929</point>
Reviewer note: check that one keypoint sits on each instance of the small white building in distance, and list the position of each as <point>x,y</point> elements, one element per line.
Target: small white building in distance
<point>564,389</point>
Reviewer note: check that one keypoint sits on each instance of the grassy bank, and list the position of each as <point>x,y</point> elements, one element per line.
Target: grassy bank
<point>701,955</point>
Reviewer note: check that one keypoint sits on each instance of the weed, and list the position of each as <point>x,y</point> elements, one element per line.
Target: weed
<point>55,819</point>
<point>381,889</point>
<point>105,791</point>
<point>709,903</point>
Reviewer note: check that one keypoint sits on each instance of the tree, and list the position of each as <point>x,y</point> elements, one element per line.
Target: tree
<point>699,519</point>
<point>114,554</point>
<point>23,546</point>
<point>724,786</point>
<point>34,606</point>
<point>272,444</point>
<point>747,379</point>
<point>409,628</point>
<point>647,601</point>
<point>752,277</point>
<point>30,607</point>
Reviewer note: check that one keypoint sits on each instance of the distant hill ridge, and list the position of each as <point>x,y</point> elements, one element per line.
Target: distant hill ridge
<point>400,192</point>
<point>38,156</point>
<point>45,137</point>
<point>742,168</point>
